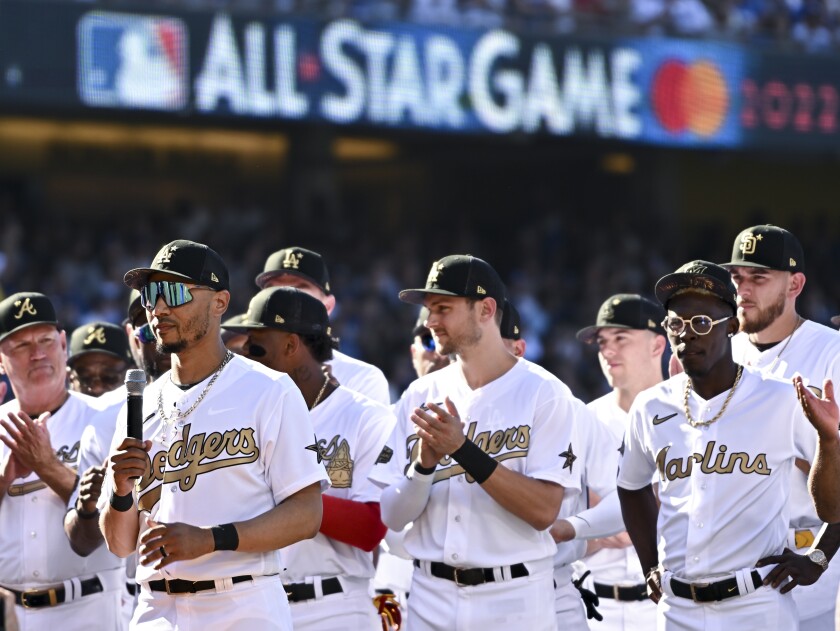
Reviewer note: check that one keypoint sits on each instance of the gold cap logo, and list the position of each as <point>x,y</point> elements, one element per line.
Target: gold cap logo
<point>651,324</point>
<point>292,260</point>
<point>327,286</point>
<point>279,319</point>
<point>166,257</point>
<point>95,334</point>
<point>437,268</point>
<point>792,263</point>
<point>515,330</point>
<point>214,278</point>
<point>25,307</point>
<point>481,290</point>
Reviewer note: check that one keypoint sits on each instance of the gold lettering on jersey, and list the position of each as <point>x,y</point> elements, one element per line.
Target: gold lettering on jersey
<point>25,307</point>
<point>95,334</point>
<point>748,243</point>
<point>68,454</point>
<point>191,456</point>
<point>710,462</point>
<point>292,260</point>
<point>65,453</point>
<point>514,441</point>
<point>337,460</point>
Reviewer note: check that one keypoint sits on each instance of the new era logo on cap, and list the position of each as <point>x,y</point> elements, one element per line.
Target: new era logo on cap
<point>459,275</point>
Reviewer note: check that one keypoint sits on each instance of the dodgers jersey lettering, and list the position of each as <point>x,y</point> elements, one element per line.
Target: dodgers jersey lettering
<point>350,430</point>
<point>524,419</point>
<point>724,488</point>
<point>239,454</point>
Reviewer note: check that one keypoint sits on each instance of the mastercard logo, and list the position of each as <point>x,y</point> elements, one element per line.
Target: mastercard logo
<point>690,97</point>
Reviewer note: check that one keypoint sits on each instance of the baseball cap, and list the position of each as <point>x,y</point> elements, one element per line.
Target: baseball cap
<point>420,324</point>
<point>769,247</point>
<point>135,307</point>
<point>835,320</point>
<point>25,309</point>
<point>296,261</point>
<point>284,308</point>
<point>511,324</point>
<point>459,275</point>
<point>99,337</point>
<point>187,260</point>
<point>625,311</point>
<point>697,275</point>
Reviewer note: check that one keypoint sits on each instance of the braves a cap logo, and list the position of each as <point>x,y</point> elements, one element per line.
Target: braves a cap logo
<point>25,307</point>
<point>95,334</point>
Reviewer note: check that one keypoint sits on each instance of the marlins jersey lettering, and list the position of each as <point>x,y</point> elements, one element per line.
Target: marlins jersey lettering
<point>724,487</point>
<point>361,377</point>
<point>350,430</point>
<point>239,454</point>
<point>814,352</point>
<point>525,419</point>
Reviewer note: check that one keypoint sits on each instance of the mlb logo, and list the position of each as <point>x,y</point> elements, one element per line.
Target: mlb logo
<point>133,61</point>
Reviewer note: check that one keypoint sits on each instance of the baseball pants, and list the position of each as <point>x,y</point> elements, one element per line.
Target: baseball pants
<point>568,606</point>
<point>97,612</point>
<point>352,608</point>
<point>765,609</point>
<point>625,616</point>
<point>259,604</point>
<point>438,604</point>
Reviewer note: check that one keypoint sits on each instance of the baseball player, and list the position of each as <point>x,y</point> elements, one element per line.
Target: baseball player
<point>98,358</point>
<point>724,440</point>
<point>630,341</point>
<point>424,355</point>
<point>307,271</point>
<point>326,578</point>
<point>511,328</point>
<point>767,268</point>
<point>224,477</point>
<point>53,587</point>
<point>475,462</point>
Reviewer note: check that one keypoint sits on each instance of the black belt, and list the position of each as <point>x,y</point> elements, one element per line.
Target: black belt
<point>624,593</point>
<point>177,586</point>
<point>298,592</point>
<point>470,576</point>
<point>37,598</point>
<point>710,592</point>
<point>131,588</point>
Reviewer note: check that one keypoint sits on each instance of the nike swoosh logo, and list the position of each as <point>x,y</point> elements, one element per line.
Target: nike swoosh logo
<point>219,411</point>
<point>731,589</point>
<point>661,419</point>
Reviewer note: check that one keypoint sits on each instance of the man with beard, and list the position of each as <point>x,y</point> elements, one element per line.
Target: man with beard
<point>81,522</point>
<point>724,440</point>
<point>475,463</point>
<point>767,268</point>
<point>227,442</point>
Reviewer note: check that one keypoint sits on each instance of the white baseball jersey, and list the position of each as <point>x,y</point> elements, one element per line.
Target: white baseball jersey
<point>351,430</point>
<point>614,565</point>
<point>724,488</point>
<point>597,465</point>
<point>525,419</point>
<point>360,377</point>
<point>34,550</point>
<point>814,352</point>
<point>248,446</point>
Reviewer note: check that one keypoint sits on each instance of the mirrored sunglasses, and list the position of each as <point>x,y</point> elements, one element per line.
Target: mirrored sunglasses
<point>174,294</point>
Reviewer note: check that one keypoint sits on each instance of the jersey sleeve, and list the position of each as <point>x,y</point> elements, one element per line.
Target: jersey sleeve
<point>389,466</point>
<point>601,456</point>
<point>288,447</point>
<point>636,466</point>
<point>371,383</point>
<point>372,438</point>
<point>554,445</point>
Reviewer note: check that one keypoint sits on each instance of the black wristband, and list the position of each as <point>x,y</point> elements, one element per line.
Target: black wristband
<point>84,514</point>
<point>424,470</point>
<point>225,537</point>
<point>122,503</point>
<point>475,462</point>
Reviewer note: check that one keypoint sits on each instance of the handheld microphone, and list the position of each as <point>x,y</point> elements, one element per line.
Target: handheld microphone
<point>135,381</point>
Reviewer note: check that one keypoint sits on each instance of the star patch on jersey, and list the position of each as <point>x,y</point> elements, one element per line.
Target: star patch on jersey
<point>385,455</point>
<point>570,457</point>
<point>319,452</point>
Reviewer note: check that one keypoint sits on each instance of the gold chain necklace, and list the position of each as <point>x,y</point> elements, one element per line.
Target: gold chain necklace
<point>179,416</point>
<point>694,423</point>
<point>778,357</point>
<point>321,392</point>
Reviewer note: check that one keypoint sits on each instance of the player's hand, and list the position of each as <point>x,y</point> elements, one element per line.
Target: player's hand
<point>441,428</point>
<point>12,469</point>
<point>821,413</point>
<point>163,544</point>
<point>90,488</point>
<point>29,440</point>
<point>131,460</point>
<point>654,584</point>
<point>562,531</point>
<point>797,567</point>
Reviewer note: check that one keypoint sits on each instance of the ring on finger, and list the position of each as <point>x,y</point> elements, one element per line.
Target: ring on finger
<point>163,552</point>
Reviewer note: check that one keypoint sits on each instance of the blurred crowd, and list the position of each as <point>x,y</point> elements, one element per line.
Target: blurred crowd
<point>558,270</point>
<point>808,25</point>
